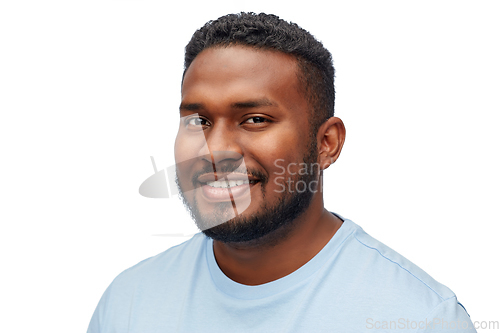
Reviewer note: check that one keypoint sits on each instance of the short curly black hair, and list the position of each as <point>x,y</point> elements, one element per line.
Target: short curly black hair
<point>267,31</point>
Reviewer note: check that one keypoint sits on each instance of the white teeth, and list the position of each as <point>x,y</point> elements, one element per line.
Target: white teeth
<point>227,184</point>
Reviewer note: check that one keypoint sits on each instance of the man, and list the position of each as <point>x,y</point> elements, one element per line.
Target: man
<point>256,133</point>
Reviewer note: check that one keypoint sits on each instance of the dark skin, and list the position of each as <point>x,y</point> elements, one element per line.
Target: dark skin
<point>251,102</point>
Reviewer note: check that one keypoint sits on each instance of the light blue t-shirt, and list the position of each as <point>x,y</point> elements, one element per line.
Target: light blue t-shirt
<point>354,284</point>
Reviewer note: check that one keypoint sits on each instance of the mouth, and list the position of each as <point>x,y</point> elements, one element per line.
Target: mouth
<point>230,183</point>
<point>229,187</point>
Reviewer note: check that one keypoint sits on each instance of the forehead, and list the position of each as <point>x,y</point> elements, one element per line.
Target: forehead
<point>242,70</point>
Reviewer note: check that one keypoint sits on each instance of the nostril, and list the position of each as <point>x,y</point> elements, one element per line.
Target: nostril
<point>219,156</point>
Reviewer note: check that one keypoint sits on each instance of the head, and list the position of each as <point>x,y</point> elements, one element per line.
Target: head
<point>257,107</point>
<point>315,70</point>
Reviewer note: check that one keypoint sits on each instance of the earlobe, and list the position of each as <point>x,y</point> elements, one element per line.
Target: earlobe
<point>324,160</point>
<point>331,137</point>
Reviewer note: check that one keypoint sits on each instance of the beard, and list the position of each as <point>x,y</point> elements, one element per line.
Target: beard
<point>271,223</point>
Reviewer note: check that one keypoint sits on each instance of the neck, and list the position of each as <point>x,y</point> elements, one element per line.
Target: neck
<point>260,262</point>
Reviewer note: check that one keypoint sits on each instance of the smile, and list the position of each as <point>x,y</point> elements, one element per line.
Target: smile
<point>230,183</point>
<point>227,190</point>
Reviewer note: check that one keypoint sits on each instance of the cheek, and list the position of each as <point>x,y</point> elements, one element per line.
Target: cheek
<point>282,150</point>
<point>185,156</point>
<point>189,146</point>
<point>180,150</point>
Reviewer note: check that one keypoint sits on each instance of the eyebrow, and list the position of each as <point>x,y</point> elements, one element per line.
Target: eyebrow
<point>191,107</point>
<point>238,105</point>
<point>253,104</point>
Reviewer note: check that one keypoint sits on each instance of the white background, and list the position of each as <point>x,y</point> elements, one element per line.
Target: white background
<point>90,90</point>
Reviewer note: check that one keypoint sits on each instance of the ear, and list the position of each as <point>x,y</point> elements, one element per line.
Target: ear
<point>331,137</point>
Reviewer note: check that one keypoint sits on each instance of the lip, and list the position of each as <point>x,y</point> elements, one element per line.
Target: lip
<point>214,194</point>
<point>210,177</point>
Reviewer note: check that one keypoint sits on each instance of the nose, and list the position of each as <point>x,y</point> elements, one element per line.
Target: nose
<point>223,145</point>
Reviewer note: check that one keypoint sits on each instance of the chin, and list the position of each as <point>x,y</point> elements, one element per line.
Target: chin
<point>271,222</point>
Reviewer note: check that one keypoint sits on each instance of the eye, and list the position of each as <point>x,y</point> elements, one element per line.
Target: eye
<point>195,122</point>
<point>256,120</point>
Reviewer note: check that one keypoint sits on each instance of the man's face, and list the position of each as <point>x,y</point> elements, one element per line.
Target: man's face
<point>244,118</point>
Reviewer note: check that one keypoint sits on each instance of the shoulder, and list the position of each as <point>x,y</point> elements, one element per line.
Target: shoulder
<point>143,283</point>
<point>384,279</point>
<point>164,264</point>
<point>392,261</point>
